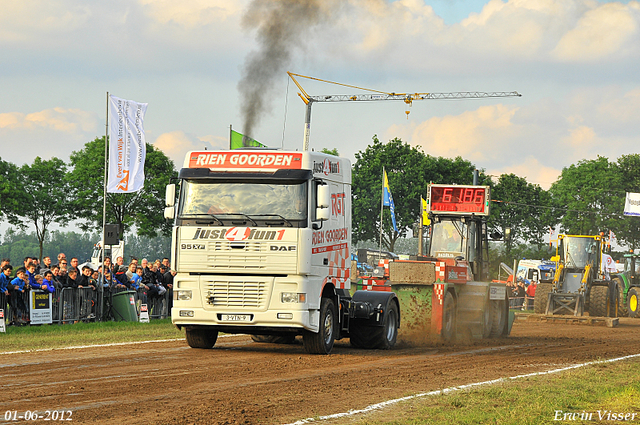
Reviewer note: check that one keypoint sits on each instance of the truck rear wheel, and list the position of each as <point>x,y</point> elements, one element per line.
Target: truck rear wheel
<point>632,302</point>
<point>541,298</point>
<point>599,301</point>
<point>201,338</point>
<point>383,337</point>
<point>449,318</point>
<point>274,339</point>
<point>322,341</point>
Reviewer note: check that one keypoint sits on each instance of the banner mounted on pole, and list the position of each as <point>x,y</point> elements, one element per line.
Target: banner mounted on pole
<point>632,204</point>
<point>127,145</point>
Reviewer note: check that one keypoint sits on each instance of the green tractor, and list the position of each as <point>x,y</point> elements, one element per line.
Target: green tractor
<point>629,283</point>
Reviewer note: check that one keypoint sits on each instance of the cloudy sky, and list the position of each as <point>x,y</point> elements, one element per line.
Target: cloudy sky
<point>203,65</point>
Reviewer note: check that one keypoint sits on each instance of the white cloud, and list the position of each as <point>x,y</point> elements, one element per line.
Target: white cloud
<point>601,32</point>
<point>58,119</point>
<point>191,13</point>
<point>176,144</point>
<point>531,169</point>
<point>469,134</point>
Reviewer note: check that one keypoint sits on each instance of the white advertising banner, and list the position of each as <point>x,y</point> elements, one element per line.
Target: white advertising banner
<point>632,204</point>
<point>127,145</point>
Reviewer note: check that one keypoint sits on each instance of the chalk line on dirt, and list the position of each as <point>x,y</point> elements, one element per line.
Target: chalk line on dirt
<point>449,390</point>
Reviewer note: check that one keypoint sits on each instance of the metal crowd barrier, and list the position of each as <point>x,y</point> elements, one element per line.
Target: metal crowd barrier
<point>159,307</point>
<point>72,305</point>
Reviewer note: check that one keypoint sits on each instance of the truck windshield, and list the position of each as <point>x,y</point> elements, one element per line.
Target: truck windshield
<point>578,252</point>
<point>223,199</point>
<point>449,239</point>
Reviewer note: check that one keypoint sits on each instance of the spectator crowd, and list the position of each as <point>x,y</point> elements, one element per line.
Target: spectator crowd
<point>148,279</point>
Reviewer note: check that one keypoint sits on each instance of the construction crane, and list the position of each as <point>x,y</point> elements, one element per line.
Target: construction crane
<point>407,98</point>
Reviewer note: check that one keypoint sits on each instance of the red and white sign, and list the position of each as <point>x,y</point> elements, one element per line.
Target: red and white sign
<point>245,160</point>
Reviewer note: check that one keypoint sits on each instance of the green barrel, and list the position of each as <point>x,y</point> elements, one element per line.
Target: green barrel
<point>123,307</point>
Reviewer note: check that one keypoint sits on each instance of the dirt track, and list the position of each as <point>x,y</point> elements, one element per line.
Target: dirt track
<point>242,382</point>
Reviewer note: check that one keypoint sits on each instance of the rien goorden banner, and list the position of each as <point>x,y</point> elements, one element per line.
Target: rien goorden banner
<point>127,145</point>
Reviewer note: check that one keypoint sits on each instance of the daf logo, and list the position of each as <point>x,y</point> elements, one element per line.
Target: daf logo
<point>282,248</point>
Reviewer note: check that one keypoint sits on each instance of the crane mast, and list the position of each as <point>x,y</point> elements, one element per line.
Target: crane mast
<point>407,98</point>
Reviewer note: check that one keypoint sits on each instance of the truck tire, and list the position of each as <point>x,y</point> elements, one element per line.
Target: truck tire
<point>389,331</point>
<point>499,315</point>
<point>322,341</point>
<point>383,337</point>
<point>541,299</point>
<point>622,305</point>
<point>632,302</point>
<point>201,338</point>
<point>599,301</point>
<point>448,318</point>
<point>614,299</point>
<point>274,339</point>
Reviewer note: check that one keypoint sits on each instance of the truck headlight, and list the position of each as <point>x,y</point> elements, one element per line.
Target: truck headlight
<point>182,295</point>
<point>293,297</point>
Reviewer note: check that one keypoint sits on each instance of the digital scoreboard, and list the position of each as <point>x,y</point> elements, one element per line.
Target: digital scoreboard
<point>458,199</point>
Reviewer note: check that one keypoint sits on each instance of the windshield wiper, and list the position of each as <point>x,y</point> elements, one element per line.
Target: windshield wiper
<point>274,215</point>
<point>217,219</point>
<point>240,214</point>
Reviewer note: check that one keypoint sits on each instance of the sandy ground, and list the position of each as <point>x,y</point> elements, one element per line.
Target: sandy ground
<point>242,382</point>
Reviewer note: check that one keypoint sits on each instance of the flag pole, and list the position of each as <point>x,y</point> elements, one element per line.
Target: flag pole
<point>381,212</point>
<point>230,135</point>
<point>104,202</point>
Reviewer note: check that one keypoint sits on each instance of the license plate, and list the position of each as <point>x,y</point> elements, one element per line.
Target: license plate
<point>236,318</point>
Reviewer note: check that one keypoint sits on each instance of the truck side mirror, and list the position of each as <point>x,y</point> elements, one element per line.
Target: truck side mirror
<point>170,196</point>
<point>324,196</point>
<point>169,213</point>
<point>323,193</point>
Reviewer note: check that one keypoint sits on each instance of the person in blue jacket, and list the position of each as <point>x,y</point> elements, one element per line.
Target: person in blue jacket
<point>17,287</point>
<point>5,280</point>
<point>47,283</point>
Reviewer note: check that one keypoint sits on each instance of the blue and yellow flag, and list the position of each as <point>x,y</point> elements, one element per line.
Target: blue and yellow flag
<point>239,141</point>
<point>425,212</point>
<point>388,200</point>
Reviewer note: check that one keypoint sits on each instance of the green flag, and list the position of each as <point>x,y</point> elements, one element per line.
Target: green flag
<point>239,141</point>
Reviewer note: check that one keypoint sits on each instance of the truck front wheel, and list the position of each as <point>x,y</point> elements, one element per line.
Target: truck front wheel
<point>201,338</point>
<point>322,342</point>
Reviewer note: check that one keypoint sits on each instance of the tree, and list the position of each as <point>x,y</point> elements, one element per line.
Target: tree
<point>11,193</point>
<point>144,209</point>
<point>590,192</point>
<point>45,196</point>
<point>333,151</point>
<point>523,207</point>
<point>627,228</point>
<point>409,171</point>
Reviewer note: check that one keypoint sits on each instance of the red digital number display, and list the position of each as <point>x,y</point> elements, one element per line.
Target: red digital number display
<point>459,199</point>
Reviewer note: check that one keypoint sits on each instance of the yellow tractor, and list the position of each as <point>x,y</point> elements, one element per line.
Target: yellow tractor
<point>578,283</point>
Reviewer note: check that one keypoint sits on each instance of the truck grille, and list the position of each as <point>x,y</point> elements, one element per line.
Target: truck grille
<point>236,294</point>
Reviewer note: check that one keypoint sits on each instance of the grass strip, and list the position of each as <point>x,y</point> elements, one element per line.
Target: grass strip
<point>593,394</point>
<point>56,336</point>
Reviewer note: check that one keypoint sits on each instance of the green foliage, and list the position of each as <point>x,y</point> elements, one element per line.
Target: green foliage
<point>11,194</point>
<point>18,244</point>
<point>409,171</point>
<point>144,209</point>
<point>44,196</point>
<point>591,194</point>
<point>627,229</point>
<point>521,207</point>
<point>333,151</point>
